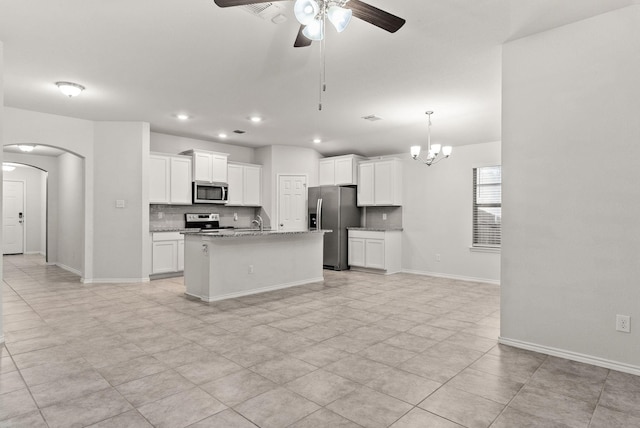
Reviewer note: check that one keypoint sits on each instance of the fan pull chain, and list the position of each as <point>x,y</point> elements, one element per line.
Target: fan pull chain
<point>323,68</point>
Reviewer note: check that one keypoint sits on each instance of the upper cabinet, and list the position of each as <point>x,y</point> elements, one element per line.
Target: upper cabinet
<point>169,179</point>
<point>245,183</point>
<point>209,167</point>
<point>380,182</point>
<point>338,170</point>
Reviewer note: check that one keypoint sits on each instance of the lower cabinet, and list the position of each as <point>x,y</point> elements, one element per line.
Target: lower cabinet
<point>167,252</point>
<point>379,251</point>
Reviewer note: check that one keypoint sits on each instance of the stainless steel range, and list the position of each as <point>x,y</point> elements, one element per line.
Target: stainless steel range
<point>203,221</point>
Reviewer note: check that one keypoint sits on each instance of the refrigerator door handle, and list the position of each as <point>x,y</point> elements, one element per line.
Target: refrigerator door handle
<point>319,215</point>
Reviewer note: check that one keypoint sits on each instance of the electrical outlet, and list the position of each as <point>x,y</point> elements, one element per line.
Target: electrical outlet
<point>160,214</point>
<point>235,216</point>
<point>384,216</point>
<point>623,323</point>
<point>250,268</point>
<point>438,257</point>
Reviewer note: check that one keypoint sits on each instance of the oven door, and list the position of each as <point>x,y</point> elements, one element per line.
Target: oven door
<point>209,193</point>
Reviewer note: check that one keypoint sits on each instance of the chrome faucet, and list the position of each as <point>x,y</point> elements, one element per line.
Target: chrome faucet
<point>259,222</point>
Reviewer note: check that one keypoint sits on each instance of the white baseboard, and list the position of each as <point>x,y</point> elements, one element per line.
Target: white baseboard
<point>30,253</point>
<point>574,356</point>
<point>258,290</point>
<point>448,276</point>
<point>67,268</point>
<point>113,280</point>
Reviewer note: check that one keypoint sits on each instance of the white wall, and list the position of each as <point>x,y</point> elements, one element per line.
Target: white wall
<point>172,144</point>
<point>35,206</point>
<point>121,235</point>
<point>437,216</point>
<point>70,212</point>
<point>571,193</point>
<point>1,172</point>
<point>43,203</point>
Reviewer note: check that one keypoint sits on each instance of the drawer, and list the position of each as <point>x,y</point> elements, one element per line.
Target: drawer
<point>167,236</point>
<point>366,234</point>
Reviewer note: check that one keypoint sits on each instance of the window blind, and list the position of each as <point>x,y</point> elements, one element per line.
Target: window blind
<point>487,206</point>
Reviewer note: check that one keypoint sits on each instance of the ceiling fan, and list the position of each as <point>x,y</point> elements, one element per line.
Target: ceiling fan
<point>312,15</point>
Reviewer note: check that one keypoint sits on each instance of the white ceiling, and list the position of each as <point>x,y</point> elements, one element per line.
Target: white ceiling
<point>146,60</point>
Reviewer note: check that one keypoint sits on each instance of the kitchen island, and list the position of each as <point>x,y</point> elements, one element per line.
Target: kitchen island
<point>226,264</point>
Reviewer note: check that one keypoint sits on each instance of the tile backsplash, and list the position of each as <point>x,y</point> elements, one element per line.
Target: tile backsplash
<point>372,217</point>
<point>172,216</point>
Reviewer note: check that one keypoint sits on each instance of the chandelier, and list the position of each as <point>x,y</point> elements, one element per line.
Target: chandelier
<point>312,14</point>
<point>433,150</point>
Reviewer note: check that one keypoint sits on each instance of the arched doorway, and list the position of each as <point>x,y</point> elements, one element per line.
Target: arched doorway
<point>64,239</point>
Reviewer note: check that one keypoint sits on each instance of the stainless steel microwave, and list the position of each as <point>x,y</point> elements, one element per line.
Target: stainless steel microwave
<point>210,193</point>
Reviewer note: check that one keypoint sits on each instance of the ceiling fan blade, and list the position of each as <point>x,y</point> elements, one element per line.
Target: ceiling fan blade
<point>301,40</point>
<point>375,16</point>
<point>229,3</point>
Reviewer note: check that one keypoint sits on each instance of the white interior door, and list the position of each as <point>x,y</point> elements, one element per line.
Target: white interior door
<point>292,202</point>
<point>13,217</point>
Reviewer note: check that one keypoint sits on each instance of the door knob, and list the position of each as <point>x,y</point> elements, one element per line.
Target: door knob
<point>281,224</point>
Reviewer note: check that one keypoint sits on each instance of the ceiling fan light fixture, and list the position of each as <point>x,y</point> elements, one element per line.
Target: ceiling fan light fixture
<point>339,17</point>
<point>306,11</point>
<point>314,30</point>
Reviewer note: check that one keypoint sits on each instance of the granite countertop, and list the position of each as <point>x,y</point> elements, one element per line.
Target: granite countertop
<point>250,233</point>
<point>377,229</point>
<point>172,229</point>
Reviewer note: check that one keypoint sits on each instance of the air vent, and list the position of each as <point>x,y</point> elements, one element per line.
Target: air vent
<point>266,11</point>
<point>239,131</point>
<point>372,118</point>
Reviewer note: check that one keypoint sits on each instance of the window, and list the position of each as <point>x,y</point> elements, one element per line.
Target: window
<point>487,206</point>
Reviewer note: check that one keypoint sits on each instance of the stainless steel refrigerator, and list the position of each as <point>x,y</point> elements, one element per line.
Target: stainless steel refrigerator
<point>334,208</point>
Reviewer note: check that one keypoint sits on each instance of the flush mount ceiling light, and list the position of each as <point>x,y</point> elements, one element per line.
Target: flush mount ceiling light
<point>26,147</point>
<point>7,167</point>
<point>433,150</point>
<point>70,89</point>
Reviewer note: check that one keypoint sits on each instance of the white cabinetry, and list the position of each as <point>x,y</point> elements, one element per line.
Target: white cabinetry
<point>209,167</point>
<point>167,252</point>
<point>338,170</point>
<point>169,179</point>
<point>379,251</point>
<point>245,184</point>
<point>380,183</point>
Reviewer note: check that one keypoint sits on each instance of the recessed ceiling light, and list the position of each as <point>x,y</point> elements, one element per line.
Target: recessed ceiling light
<point>70,89</point>
<point>317,140</point>
<point>255,119</point>
<point>26,147</point>
<point>182,116</point>
<point>222,135</point>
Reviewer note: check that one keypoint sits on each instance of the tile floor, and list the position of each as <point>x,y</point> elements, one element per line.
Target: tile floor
<point>358,350</point>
